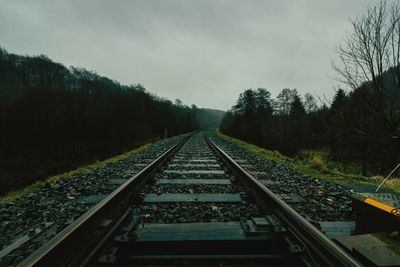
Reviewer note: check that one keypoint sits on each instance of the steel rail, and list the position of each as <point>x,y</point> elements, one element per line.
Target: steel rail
<point>317,243</point>
<point>85,233</point>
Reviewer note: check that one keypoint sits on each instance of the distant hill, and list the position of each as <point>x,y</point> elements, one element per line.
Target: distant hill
<point>390,83</point>
<point>209,118</point>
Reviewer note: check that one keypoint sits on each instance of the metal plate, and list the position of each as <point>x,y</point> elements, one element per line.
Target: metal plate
<point>390,199</point>
<point>338,228</point>
<point>192,231</point>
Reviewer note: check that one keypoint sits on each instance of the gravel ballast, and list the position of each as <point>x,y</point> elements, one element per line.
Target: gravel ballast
<point>316,200</point>
<point>58,204</point>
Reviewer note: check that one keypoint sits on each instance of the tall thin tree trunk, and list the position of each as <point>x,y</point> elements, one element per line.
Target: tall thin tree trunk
<point>364,167</point>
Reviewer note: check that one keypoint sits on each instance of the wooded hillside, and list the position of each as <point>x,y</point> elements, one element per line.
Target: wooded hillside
<point>53,117</point>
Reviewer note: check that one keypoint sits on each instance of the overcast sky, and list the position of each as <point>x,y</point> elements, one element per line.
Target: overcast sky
<point>202,52</point>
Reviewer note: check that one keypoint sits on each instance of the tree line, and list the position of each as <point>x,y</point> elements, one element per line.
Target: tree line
<point>290,123</point>
<point>53,117</point>
<point>362,124</point>
<point>285,123</point>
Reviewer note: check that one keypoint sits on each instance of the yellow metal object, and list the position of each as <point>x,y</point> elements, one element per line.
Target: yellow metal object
<point>382,206</point>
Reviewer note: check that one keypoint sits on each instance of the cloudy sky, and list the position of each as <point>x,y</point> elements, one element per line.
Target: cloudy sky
<point>202,52</point>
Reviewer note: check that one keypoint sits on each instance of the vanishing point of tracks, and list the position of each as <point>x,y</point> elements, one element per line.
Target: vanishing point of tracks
<point>193,206</point>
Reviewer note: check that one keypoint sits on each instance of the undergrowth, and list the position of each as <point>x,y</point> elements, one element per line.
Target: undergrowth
<point>317,164</point>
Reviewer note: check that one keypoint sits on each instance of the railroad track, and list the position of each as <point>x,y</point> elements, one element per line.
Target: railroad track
<point>193,205</point>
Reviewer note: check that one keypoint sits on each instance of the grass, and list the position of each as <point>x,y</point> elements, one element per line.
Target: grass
<point>392,183</point>
<point>10,196</point>
<point>316,163</point>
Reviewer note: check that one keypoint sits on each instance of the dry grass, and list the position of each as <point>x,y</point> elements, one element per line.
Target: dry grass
<point>392,183</point>
<point>318,163</point>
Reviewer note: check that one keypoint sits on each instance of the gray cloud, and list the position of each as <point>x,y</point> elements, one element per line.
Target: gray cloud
<point>202,52</point>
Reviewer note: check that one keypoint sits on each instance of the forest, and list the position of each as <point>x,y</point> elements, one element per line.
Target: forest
<point>290,123</point>
<point>361,124</point>
<point>54,118</point>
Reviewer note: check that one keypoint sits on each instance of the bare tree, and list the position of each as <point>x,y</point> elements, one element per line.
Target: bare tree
<point>310,104</point>
<point>369,58</point>
<point>372,49</point>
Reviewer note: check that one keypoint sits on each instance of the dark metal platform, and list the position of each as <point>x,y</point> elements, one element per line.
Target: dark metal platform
<point>379,249</point>
<point>367,207</point>
<point>207,242</point>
